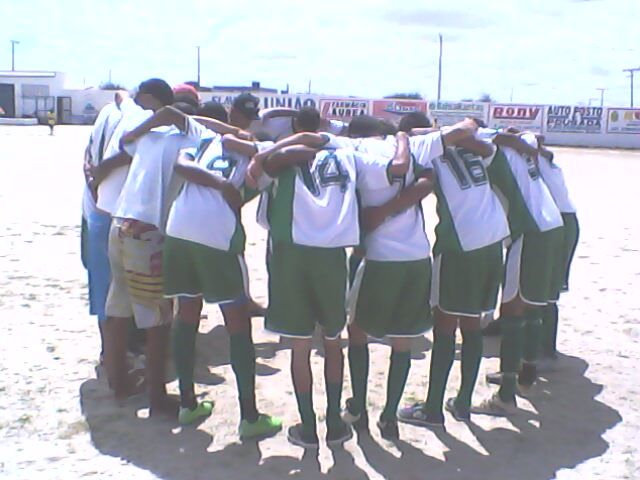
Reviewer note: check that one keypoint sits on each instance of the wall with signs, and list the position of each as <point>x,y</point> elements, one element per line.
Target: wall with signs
<point>572,125</point>
<point>561,124</point>
<point>448,113</point>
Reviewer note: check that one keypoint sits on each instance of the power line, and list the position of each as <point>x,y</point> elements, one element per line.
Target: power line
<point>631,71</point>
<point>601,90</point>
<point>13,54</point>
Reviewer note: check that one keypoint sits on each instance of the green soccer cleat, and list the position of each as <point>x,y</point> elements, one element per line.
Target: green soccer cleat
<point>202,410</point>
<point>264,426</point>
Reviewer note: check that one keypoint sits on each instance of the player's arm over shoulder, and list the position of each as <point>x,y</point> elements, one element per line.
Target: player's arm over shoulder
<point>278,161</point>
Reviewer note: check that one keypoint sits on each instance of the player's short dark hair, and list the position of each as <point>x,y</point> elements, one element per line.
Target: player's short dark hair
<point>308,119</point>
<point>387,128</point>
<point>185,108</point>
<point>214,110</point>
<point>158,89</point>
<point>414,120</point>
<point>364,126</point>
<point>248,105</point>
<point>481,123</point>
<point>186,98</point>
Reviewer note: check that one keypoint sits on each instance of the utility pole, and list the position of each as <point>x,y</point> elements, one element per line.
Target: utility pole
<point>198,77</point>
<point>13,54</point>
<point>601,90</point>
<point>439,71</point>
<point>631,71</point>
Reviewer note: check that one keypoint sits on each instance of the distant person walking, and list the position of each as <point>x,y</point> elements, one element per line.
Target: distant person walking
<point>51,120</point>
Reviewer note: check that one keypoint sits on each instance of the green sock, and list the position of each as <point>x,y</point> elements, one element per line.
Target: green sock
<point>305,408</point>
<point>359,368</point>
<point>533,335</point>
<point>471,356</point>
<point>399,365</point>
<point>510,355</point>
<point>184,353</point>
<point>444,349</point>
<point>243,362</point>
<point>354,263</point>
<point>550,329</point>
<point>334,394</point>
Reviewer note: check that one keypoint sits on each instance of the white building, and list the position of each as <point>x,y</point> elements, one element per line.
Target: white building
<point>30,94</point>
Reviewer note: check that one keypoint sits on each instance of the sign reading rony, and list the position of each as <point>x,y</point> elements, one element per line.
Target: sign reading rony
<point>523,117</point>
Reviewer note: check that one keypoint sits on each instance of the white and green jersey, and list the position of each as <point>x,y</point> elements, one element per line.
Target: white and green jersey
<point>541,213</point>
<point>401,237</point>
<point>554,178</point>
<point>151,185</point>
<point>315,204</point>
<point>469,211</point>
<point>523,193</point>
<point>200,214</point>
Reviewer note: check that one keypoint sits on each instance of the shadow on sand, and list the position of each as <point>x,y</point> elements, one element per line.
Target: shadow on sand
<point>567,430</point>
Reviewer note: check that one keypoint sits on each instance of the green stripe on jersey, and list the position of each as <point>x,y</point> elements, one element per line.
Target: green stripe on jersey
<point>280,213</point>
<point>446,235</point>
<point>518,215</point>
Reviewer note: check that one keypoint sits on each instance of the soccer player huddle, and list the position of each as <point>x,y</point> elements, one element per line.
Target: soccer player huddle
<point>166,181</point>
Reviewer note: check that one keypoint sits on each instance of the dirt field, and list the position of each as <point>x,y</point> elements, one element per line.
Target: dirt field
<point>57,421</point>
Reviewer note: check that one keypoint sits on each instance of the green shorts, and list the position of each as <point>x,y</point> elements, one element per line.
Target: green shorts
<point>392,298</point>
<point>467,283</point>
<point>193,270</point>
<point>533,271</point>
<point>307,286</point>
<point>571,235</point>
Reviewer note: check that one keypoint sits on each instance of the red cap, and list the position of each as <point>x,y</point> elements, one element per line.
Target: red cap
<point>186,89</point>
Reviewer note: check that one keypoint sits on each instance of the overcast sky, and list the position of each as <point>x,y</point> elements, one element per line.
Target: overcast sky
<point>540,51</point>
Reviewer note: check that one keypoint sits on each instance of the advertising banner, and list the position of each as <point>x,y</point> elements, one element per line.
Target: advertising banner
<point>623,120</point>
<point>449,113</point>
<point>267,100</point>
<point>571,119</point>
<point>344,108</point>
<point>523,117</point>
<point>393,110</point>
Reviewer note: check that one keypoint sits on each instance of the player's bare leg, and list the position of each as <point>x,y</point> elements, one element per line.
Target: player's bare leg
<point>116,330</point>
<point>157,344</point>
<point>184,336</point>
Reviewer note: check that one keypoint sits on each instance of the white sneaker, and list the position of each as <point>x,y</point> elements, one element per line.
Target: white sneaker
<point>496,407</point>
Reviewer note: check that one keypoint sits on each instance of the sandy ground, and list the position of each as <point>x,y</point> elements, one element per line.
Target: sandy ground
<point>58,421</point>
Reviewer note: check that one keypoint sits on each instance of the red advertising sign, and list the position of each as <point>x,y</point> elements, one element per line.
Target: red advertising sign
<point>393,110</point>
<point>343,108</point>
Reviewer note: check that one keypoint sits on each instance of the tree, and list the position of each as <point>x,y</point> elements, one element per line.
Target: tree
<point>406,96</point>
<point>485,97</point>
<point>111,86</point>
